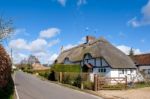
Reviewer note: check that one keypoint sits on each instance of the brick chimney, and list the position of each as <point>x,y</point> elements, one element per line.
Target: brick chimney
<point>89,39</point>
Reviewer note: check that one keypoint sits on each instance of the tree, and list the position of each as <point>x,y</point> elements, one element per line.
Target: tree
<point>6,28</point>
<point>131,52</point>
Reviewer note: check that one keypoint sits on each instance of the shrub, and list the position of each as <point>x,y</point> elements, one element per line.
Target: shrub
<point>44,74</point>
<point>51,76</point>
<point>88,85</point>
<point>67,78</point>
<point>78,81</point>
<point>142,84</point>
<point>8,90</point>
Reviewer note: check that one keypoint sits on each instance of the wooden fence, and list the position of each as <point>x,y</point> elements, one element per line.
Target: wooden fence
<point>99,82</point>
<point>103,83</point>
<point>61,76</point>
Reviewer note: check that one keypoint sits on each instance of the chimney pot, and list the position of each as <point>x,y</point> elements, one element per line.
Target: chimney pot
<point>90,38</point>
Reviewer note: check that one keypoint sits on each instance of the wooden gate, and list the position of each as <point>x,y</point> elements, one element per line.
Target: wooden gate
<point>103,83</point>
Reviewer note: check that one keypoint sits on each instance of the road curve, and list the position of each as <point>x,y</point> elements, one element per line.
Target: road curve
<point>30,87</point>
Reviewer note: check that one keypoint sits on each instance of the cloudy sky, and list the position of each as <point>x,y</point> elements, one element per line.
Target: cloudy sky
<point>44,26</point>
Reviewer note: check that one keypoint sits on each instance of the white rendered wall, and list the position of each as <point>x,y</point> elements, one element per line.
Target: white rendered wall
<point>132,75</point>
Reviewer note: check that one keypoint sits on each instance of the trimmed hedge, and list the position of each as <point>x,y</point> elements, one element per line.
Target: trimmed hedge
<point>66,68</point>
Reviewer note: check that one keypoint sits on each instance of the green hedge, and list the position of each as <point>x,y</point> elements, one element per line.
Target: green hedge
<point>66,68</point>
<point>7,92</point>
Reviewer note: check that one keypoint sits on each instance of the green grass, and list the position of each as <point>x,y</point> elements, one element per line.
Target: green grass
<point>142,84</point>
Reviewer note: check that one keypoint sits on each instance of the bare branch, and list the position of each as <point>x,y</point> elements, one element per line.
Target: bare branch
<point>6,28</point>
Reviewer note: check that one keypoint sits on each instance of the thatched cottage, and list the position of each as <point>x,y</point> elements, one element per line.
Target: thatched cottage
<point>98,56</point>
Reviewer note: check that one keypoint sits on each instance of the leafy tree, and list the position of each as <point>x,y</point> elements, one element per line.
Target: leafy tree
<point>131,52</point>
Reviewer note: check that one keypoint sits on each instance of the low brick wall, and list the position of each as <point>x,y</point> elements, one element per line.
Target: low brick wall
<point>5,67</point>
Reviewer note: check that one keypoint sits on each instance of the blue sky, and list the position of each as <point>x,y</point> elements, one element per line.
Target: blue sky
<point>43,26</point>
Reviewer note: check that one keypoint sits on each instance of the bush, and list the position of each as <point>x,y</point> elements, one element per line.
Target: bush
<point>6,92</point>
<point>51,76</point>
<point>69,79</point>
<point>45,74</point>
<point>88,85</point>
<point>142,84</point>
<point>78,81</point>
<point>66,68</point>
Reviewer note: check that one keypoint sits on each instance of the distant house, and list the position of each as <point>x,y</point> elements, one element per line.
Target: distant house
<point>32,60</point>
<point>142,61</point>
<point>98,56</point>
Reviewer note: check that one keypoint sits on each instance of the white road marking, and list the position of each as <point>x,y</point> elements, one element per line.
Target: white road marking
<point>16,88</point>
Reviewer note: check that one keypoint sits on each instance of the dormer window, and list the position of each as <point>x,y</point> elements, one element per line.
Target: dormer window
<point>67,61</point>
<point>87,56</point>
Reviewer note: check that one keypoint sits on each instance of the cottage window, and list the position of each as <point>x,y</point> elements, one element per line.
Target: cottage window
<point>87,56</point>
<point>66,61</point>
<point>102,70</point>
<point>121,71</point>
<point>148,71</point>
<point>131,71</point>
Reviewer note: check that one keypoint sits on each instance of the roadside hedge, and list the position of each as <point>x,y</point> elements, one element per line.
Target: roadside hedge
<point>7,91</point>
<point>66,68</point>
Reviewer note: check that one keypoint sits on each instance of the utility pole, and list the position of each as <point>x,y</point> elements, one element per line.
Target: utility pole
<point>11,53</point>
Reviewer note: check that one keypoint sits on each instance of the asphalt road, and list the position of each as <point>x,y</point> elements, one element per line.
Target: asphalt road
<point>31,87</point>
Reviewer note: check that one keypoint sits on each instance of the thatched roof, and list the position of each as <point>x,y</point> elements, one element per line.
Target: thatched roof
<point>98,48</point>
<point>38,66</point>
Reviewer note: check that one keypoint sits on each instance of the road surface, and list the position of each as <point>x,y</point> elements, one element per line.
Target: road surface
<point>31,87</point>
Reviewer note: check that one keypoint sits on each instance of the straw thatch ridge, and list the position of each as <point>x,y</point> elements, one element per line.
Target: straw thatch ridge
<point>98,48</point>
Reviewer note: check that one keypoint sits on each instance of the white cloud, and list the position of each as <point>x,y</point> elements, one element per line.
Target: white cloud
<point>37,45</point>
<point>126,49</point>
<point>51,32</point>
<point>20,56</point>
<point>81,2</point>
<point>69,46</point>
<point>46,57</point>
<point>21,30</point>
<point>62,2</point>
<point>145,20</point>
<point>52,58</point>
<point>18,44</point>
<point>54,42</point>
<point>83,40</point>
<point>133,22</point>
